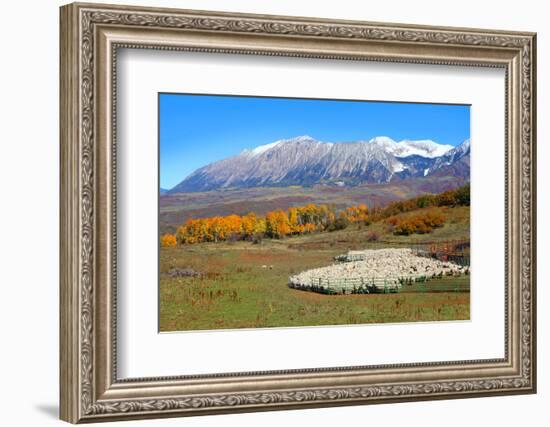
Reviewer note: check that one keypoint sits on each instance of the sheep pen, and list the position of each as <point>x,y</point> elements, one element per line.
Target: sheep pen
<point>374,270</point>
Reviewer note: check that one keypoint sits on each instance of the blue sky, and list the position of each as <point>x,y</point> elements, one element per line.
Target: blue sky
<point>199,129</point>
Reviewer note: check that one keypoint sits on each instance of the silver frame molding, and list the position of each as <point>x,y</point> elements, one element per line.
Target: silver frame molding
<point>90,37</point>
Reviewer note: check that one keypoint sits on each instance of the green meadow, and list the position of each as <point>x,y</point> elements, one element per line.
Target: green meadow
<point>244,285</point>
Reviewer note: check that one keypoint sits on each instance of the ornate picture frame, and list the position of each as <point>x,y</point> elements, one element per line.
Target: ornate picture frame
<point>90,37</point>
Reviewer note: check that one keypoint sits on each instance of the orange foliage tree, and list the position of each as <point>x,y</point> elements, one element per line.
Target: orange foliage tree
<point>168,240</point>
<point>420,223</point>
<point>275,224</point>
<point>358,213</point>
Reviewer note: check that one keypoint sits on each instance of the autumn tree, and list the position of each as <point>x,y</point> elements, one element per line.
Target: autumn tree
<point>168,240</point>
<point>233,224</point>
<point>357,213</point>
<point>248,225</point>
<point>217,229</point>
<point>277,224</point>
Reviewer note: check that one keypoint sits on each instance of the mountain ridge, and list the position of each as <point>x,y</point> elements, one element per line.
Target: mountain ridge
<point>306,161</point>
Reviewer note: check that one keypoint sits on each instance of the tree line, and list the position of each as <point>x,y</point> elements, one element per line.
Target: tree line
<point>426,220</point>
<point>314,218</point>
<point>275,224</point>
<point>457,197</point>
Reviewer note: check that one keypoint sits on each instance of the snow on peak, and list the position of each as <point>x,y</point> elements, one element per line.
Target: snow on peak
<point>399,167</point>
<point>301,138</point>
<point>407,147</point>
<point>384,142</point>
<point>425,147</point>
<point>465,145</point>
<point>263,148</point>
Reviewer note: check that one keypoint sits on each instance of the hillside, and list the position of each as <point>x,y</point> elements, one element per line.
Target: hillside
<point>178,208</point>
<point>356,237</point>
<point>418,215</point>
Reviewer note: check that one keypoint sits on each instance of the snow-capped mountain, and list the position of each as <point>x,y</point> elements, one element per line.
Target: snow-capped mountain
<point>306,161</point>
<point>425,148</point>
<point>455,162</point>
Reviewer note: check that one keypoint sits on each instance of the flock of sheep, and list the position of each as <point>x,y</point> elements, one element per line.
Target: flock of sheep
<point>373,270</point>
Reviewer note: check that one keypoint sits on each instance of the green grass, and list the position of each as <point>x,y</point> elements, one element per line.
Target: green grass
<point>445,284</point>
<point>245,285</point>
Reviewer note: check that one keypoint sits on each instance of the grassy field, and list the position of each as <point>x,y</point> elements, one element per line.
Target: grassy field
<point>244,285</point>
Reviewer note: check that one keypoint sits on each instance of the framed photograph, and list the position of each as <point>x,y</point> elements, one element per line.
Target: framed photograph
<point>266,212</point>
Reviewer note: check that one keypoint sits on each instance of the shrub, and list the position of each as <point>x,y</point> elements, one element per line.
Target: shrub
<point>168,240</point>
<point>457,197</point>
<point>392,220</point>
<point>421,223</point>
<point>373,236</point>
<point>404,228</point>
<point>339,223</point>
<point>463,195</point>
